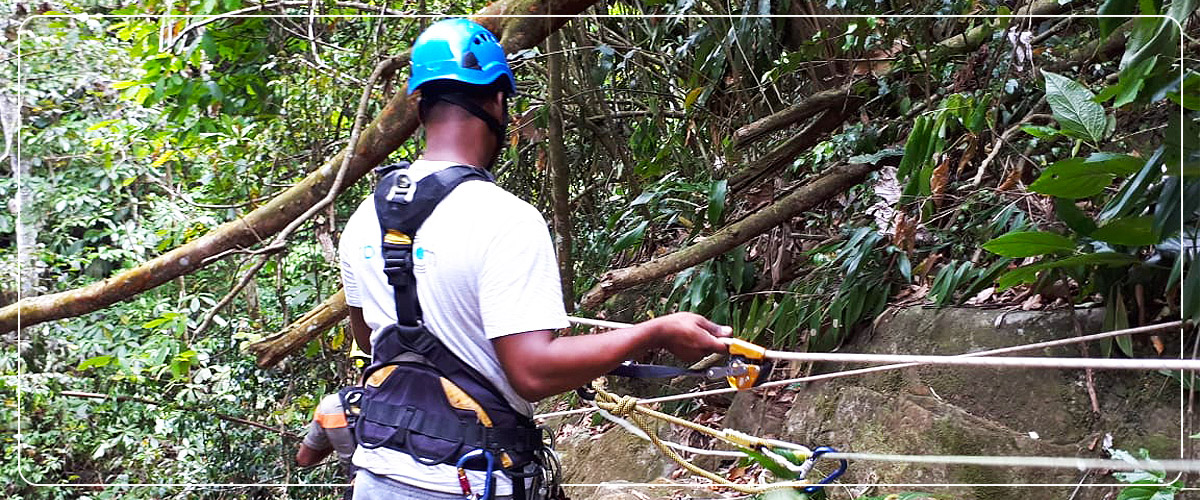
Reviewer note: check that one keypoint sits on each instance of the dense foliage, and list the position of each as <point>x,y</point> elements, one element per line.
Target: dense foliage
<point>1017,161</point>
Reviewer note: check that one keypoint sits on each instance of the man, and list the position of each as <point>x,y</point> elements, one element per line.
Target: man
<point>485,270</point>
<point>330,430</point>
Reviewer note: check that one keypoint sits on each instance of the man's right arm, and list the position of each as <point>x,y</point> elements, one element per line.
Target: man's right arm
<point>539,364</point>
<point>360,330</point>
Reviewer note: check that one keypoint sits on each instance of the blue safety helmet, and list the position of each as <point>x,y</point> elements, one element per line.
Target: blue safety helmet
<point>459,50</point>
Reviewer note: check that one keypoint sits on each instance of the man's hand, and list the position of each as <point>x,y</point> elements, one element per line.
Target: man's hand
<point>688,336</point>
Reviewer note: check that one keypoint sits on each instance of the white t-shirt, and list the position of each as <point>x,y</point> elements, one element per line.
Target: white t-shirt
<point>485,268</point>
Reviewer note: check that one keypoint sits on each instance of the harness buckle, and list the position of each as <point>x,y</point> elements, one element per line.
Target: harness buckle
<point>402,187</point>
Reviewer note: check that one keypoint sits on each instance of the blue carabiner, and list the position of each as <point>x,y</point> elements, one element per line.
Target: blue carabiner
<point>462,474</point>
<point>842,464</point>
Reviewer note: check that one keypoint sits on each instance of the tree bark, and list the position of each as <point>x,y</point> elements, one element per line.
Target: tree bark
<point>816,103</point>
<point>394,124</point>
<point>827,185</point>
<point>784,153</point>
<point>560,173</point>
<point>271,350</point>
<point>971,39</point>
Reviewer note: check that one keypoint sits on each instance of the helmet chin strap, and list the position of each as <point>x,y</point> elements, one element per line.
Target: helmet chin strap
<point>475,109</point>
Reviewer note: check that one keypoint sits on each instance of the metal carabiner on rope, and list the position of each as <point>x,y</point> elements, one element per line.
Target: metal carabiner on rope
<point>465,483</point>
<point>812,460</point>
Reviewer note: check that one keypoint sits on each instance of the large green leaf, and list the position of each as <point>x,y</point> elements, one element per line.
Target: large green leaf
<point>1029,244</point>
<point>1153,36</point>
<point>1190,290</point>
<point>1114,7</point>
<point>1075,178</point>
<point>1131,231</point>
<point>716,201</point>
<point>1027,274</point>
<point>631,238</point>
<point>1130,82</point>
<point>1074,107</point>
<point>1073,217</point>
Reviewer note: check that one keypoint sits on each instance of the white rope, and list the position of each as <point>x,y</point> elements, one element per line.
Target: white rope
<point>1174,325</point>
<point>632,429</point>
<point>1077,463</point>
<point>1006,362</point>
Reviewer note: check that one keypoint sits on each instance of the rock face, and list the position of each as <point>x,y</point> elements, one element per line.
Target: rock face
<point>939,411</point>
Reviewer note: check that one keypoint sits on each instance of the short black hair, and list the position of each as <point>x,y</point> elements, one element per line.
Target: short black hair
<point>478,93</point>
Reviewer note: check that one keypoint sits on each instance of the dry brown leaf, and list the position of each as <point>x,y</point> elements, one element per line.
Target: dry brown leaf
<point>939,180</point>
<point>1010,180</point>
<point>926,266</point>
<point>968,153</point>
<point>736,473</point>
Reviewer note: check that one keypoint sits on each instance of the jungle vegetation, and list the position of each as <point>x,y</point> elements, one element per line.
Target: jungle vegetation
<point>176,177</point>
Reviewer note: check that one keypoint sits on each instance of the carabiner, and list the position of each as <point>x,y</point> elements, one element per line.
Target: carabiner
<point>842,464</point>
<point>466,483</point>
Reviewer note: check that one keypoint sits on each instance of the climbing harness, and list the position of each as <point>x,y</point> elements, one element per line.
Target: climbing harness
<point>418,397</point>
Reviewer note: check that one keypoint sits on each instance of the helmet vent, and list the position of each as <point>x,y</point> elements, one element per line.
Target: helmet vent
<point>469,61</point>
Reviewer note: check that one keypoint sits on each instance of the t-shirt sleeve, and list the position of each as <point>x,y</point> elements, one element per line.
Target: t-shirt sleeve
<point>348,245</point>
<point>519,286</point>
<point>316,438</point>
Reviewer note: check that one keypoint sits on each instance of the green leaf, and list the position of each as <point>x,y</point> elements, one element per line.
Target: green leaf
<point>1040,131</point>
<point>1028,244</point>
<point>1073,217</point>
<point>1075,178</point>
<point>1130,83</point>
<point>1028,274</point>
<point>1130,231</point>
<point>1131,199</point>
<point>1153,36</point>
<point>631,238</point>
<point>1074,108</point>
<point>96,362</point>
<point>916,148</point>
<point>1189,92</point>
<point>1114,7</point>
<point>716,201</point>
<point>1191,288</point>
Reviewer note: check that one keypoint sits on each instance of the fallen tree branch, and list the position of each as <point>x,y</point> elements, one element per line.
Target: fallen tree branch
<point>816,103</point>
<point>280,241</point>
<point>271,350</point>
<point>394,124</point>
<point>828,184</point>
<point>222,416</point>
<point>784,153</point>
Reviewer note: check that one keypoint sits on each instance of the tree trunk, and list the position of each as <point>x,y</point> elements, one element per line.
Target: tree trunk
<point>810,106</point>
<point>395,123</point>
<point>827,185</point>
<point>560,178</point>
<point>271,350</point>
<point>783,154</point>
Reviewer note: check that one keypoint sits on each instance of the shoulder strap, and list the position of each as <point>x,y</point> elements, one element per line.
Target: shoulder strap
<point>402,207</point>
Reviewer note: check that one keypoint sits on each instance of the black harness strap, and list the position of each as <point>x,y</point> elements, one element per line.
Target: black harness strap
<point>402,206</point>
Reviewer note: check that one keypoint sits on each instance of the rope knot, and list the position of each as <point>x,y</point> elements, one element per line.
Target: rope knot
<point>624,406</point>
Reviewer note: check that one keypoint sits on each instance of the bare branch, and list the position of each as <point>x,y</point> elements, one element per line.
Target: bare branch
<point>222,416</point>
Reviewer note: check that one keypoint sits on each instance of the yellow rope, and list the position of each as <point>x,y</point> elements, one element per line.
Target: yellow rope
<point>627,407</point>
